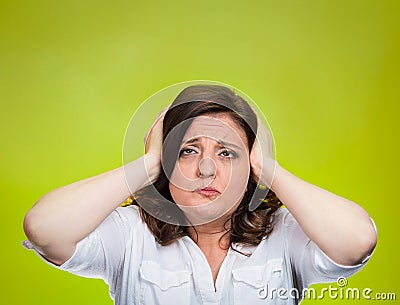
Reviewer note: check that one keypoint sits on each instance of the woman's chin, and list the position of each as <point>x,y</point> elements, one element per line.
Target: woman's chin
<point>206,212</point>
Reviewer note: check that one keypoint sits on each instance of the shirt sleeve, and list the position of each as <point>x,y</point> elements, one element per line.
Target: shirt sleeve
<point>101,253</point>
<point>310,264</point>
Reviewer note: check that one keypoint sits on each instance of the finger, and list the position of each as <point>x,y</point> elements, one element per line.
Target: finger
<point>160,116</point>
<point>263,142</point>
<point>158,121</point>
<point>259,122</point>
<point>163,111</point>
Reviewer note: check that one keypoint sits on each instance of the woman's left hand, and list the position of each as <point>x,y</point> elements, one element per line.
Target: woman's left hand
<point>261,159</point>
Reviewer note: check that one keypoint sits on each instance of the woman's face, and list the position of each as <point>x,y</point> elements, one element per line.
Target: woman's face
<point>211,174</point>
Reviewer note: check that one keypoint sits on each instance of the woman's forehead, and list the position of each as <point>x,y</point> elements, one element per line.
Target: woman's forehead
<point>221,128</point>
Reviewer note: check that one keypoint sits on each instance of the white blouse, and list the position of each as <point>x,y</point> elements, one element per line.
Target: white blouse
<point>123,252</point>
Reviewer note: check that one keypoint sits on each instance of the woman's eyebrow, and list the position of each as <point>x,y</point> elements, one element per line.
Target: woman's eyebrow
<point>221,142</point>
<point>191,141</point>
<point>228,144</point>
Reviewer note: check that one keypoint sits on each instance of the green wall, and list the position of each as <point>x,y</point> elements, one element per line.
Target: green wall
<point>325,73</point>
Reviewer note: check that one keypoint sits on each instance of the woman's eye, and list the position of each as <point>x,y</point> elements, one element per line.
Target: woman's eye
<point>225,153</point>
<point>228,154</point>
<point>187,151</point>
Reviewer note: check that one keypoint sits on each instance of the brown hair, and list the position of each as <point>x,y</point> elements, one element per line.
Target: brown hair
<point>248,227</point>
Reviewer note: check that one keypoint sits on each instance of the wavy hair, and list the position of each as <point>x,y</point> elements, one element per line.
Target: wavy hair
<point>247,227</point>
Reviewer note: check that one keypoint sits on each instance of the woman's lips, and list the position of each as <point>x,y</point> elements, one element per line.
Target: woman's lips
<point>208,191</point>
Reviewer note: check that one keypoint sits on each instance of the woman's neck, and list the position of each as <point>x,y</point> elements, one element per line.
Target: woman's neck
<point>211,235</point>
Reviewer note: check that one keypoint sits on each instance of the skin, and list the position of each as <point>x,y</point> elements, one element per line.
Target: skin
<point>213,154</point>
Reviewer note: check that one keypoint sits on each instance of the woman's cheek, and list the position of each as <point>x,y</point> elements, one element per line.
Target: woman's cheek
<point>187,167</point>
<point>240,172</point>
<point>176,193</point>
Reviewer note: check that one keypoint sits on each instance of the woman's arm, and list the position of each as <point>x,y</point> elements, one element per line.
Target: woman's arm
<point>340,227</point>
<point>64,216</point>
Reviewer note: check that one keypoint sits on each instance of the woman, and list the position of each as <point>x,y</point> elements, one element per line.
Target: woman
<point>198,231</point>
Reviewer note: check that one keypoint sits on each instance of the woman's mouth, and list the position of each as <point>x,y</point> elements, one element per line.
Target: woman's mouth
<point>208,191</point>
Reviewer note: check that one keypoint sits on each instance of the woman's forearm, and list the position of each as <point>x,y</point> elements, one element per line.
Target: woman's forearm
<point>66,215</point>
<point>341,228</point>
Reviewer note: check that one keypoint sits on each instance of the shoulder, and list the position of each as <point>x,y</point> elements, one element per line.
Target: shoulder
<point>285,223</point>
<point>125,218</point>
<point>283,217</point>
<point>127,213</point>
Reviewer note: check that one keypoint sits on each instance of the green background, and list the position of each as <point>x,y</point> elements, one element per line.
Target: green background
<point>325,73</point>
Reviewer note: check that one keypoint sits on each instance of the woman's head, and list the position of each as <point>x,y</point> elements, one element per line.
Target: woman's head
<point>208,133</point>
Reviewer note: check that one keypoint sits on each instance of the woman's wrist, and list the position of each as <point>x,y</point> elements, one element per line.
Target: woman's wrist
<point>141,172</point>
<point>275,177</point>
<point>152,164</point>
<point>269,169</point>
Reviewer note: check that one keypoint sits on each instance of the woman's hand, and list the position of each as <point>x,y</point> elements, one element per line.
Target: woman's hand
<point>153,142</point>
<point>153,138</point>
<point>261,160</point>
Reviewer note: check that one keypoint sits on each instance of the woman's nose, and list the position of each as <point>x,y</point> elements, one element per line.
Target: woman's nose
<point>207,167</point>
